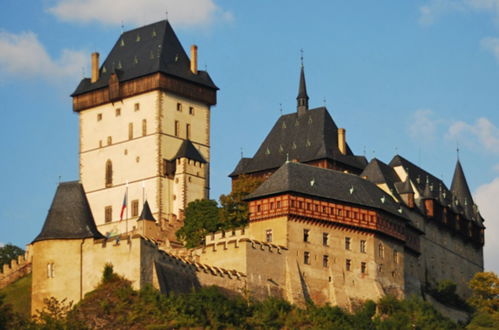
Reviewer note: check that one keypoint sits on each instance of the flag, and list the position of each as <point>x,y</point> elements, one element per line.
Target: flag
<point>123,207</point>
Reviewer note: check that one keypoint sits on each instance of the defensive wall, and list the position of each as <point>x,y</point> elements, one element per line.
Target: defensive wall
<point>16,269</point>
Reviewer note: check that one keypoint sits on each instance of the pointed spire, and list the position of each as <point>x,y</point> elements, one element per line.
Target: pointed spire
<point>459,186</point>
<point>302,98</point>
<point>146,213</point>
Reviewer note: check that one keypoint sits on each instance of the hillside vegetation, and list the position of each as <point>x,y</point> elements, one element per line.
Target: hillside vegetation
<point>114,304</point>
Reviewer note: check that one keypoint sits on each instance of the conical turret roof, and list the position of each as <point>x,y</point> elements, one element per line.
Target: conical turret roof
<point>69,216</point>
<point>146,213</point>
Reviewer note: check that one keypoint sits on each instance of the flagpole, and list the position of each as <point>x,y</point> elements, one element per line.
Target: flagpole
<point>126,207</point>
<point>143,193</point>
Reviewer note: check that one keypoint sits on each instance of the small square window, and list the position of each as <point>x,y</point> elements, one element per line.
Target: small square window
<point>325,261</point>
<point>99,116</point>
<point>325,239</point>
<point>363,268</point>
<point>348,265</point>
<point>179,107</point>
<point>268,235</point>
<point>306,258</point>
<point>117,112</point>
<point>136,107</point>
<point>191,110</point>
<point>109,140</point>
<point>306,234</point>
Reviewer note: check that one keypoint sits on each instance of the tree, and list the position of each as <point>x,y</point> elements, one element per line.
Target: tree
<point>485,292</point>
<point>234,208</point>
<point>9,252</point>
<point>201,218</point>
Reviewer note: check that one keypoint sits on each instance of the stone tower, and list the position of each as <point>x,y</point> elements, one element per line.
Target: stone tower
<point>144,129</point>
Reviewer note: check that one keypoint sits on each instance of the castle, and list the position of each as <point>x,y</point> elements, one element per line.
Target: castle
<point>325,225</point>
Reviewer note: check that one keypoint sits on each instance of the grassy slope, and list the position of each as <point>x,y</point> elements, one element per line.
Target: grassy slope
<point>18,294</point>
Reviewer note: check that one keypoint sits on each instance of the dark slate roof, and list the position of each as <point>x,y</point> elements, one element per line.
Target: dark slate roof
<point>189,151</point>
<point>459,186</point>
<point>69,216</point>
<point>329,184</point>
<point>241,166</point>
<point>146,50</point>
<point>308,137</point>
<point>378,172</point>
<point>146,213</point>
<point>418,176</point>
<point>405,187</point>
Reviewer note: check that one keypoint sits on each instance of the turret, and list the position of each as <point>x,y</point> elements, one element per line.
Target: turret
<point>429,199</point>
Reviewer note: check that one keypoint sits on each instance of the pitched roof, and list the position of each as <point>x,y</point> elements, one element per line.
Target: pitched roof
<point>418,176</point>
<point>69,216</point>
<point>149,49</point>
<point>189,151</point>
<point>240,167</point>
<point>405,187</point>
<point>146,213</point>
<point>308,137</point>
<point>329,184</point>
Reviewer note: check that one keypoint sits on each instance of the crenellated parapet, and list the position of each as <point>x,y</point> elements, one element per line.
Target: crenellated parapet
<point>16,269</point>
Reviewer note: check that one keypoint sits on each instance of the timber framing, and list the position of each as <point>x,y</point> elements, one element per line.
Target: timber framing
<point>156,81</point>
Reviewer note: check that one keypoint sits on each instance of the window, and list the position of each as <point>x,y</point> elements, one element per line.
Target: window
<point>278,204</point>
<point>188,131</point>
<point>381,250</point>
<point>99,116</point>
<point>347,243</point>
<point>179,107</point>
<point>130,131</point>
<point>348,264</point>
<point>325,261</point>
<point>363,246</point>
<point>258,208</point>
<point>306,233</point>
<point>395,256</point>
<point>117,112</point>
<point>109,173</point>
<point>50,270</point>
<point>271,205</point>
<point>268,235</point>
<point>325,239</point>
<point>191,110</point>
<point>363,268</point>
<point>306,258</point>
<point>136,107</point>
<point>108,213</point>
<point>135,208</point>
<point>176,128</point>
<point>109,140</point>
<point>144,127</point>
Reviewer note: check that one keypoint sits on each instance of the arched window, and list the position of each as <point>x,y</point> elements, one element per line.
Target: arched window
<point>381,250</point>
<point>109,173</point>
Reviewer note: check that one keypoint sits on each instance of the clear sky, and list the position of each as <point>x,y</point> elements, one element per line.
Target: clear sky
<point>416,78</point>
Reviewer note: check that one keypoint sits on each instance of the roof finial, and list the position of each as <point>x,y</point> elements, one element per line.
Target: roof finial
<point>166,14</point>
<point>241,152</point>
<point>324,101</point>
<point>122,27</point>
<point>457,150</point>
<point>280,108</point>
<point>301,57</point>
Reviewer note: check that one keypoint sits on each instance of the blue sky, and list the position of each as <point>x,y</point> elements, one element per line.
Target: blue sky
<point>410,77</point>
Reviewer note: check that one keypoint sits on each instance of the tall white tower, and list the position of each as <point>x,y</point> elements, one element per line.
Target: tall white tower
<point>144,128</point>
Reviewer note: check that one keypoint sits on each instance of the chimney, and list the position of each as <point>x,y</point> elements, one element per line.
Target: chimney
<point>95,67</point>
<point>342,145</point>
<point>194,59</point>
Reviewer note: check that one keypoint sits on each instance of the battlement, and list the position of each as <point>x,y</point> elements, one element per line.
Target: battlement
<point>16,269</point>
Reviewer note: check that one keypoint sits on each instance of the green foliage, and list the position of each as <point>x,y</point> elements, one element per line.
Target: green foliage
<point>445,292</point>
<point>234,209</point>
<point>201,218</point>
<point>18,294</point>
<point>108,274</point>
<point>9,252</point>
<point>6,314</point>
<point>270,313</point>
